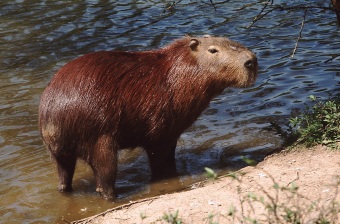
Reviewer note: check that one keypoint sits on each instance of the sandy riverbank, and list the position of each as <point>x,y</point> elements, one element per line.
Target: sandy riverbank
<point>315,172</point>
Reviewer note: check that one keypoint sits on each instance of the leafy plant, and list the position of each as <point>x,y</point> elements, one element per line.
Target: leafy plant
<point>319,124</point>
<point>172,218</point>
<point>142,216</point>
<point>296,209</point>
<point>210,173</point>
<point>211,219</point>
<point>249,162</point>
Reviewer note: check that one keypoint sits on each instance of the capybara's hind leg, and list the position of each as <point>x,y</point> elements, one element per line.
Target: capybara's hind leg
<point>66,165</point>
<point>104,165</point>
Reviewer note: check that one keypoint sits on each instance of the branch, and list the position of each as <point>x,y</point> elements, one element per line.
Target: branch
<point>211,2</point>
<point>172,6</point>
<point>281,8</point>
<point>333,57</point>
<point>300,34</point>
<point>263,13</point>
<point>260,16</point>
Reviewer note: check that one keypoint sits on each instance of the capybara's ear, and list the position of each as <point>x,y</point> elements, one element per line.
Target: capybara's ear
<point>193,44</point>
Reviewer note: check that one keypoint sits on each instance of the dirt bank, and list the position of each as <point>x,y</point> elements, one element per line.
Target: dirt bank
<point>299,184</point>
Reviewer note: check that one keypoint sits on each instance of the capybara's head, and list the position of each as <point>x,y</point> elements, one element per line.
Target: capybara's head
<point>230,62</point>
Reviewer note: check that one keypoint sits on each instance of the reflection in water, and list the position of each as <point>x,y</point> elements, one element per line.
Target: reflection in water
<point>38,37</point>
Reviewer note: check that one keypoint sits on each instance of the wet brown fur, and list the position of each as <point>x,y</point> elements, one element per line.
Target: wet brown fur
<point>106,101</point>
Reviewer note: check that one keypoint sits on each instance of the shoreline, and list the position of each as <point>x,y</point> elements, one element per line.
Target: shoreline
<point>309,176</point>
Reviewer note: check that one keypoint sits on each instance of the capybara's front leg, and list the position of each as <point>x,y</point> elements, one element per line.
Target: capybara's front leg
<point>162,160</point>
<point>66,165</point>
<point>104,165</point>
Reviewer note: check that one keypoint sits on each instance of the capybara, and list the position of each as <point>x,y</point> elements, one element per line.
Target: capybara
<point>105,101</point>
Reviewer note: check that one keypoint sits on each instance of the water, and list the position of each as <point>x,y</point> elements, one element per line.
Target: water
<point>38,37</point>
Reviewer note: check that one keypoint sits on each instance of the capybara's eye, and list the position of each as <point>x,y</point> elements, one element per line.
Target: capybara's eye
<point>213,50</point>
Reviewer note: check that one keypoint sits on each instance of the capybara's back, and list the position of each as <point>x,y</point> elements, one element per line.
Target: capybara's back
<point>106,101</point>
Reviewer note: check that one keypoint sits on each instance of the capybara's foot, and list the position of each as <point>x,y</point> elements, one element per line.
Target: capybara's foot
<point>108,194</point>
<point>64,188</point>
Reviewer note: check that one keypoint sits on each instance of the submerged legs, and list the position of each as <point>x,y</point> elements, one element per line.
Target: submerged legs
<point>66,166</point>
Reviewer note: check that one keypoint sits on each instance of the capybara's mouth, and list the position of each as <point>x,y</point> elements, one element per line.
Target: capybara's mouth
<point>249,81</point>
<point>252,79</point>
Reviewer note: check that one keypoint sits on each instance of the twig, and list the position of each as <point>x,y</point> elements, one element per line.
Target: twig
<point>281,8</point>
<point>297,177</point>
<point>265,6</point>
<point>172,5</point>
<point>213,4</point>
<point>300,34</point>
<point>259,16</point>
<point>333,57</point>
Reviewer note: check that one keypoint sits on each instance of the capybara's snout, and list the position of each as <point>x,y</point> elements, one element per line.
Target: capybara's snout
<point>251,64</point>
<point>251,67</point>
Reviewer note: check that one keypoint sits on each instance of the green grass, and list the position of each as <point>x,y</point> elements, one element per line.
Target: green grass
<point>172,218</point>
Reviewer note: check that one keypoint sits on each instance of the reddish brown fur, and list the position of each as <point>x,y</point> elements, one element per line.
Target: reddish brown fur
<point>106,101</point>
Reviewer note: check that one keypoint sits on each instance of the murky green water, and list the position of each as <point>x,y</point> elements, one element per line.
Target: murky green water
<point>38,37</point>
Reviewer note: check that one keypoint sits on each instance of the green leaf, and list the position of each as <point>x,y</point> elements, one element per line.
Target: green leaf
<point>250,162</point>
<point>210,173</point>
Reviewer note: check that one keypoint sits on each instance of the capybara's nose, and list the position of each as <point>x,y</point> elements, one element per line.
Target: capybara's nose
<point>251,63</point>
